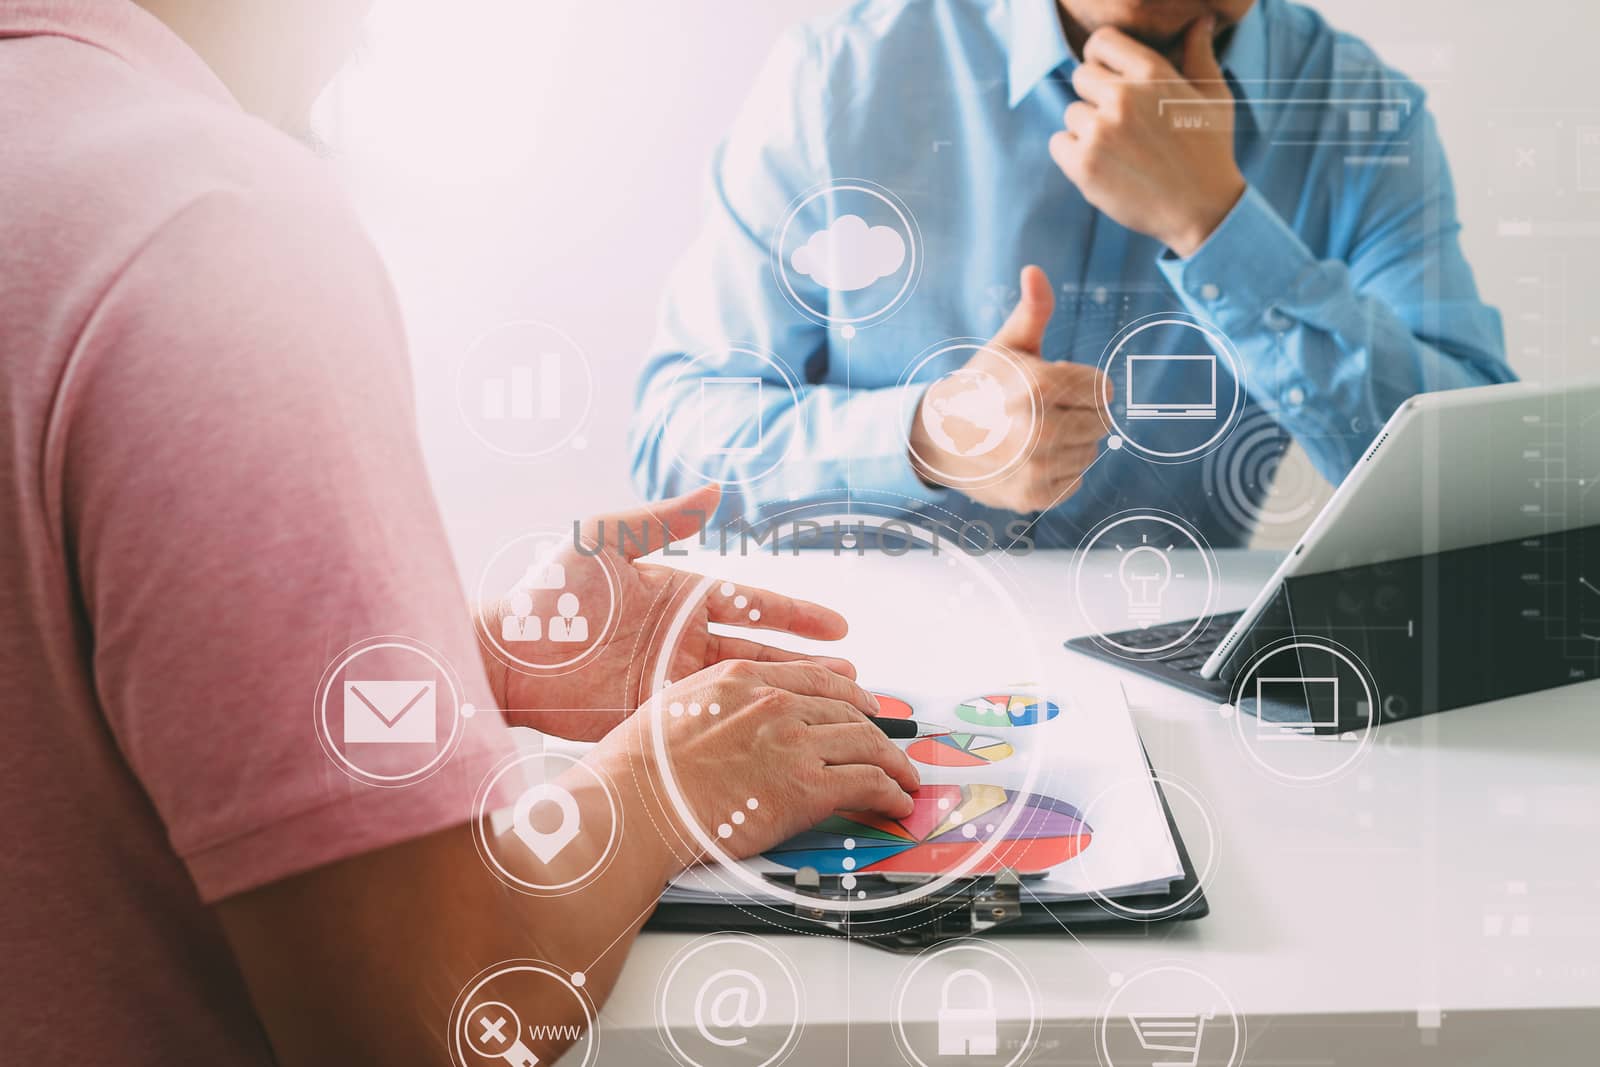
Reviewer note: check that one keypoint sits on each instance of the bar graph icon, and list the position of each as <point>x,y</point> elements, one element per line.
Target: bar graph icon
<point>527,393</point>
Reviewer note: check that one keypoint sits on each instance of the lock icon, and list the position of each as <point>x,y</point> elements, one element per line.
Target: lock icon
<point>973,1029</point>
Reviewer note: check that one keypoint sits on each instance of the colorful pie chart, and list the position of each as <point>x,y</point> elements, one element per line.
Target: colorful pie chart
<point>1006,709</point>
<point>959,750</point>
<point>947,826</point>
<point>892,707</point>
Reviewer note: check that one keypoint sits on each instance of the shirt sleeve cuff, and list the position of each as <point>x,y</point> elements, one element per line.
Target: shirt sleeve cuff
<point>1249,265</point>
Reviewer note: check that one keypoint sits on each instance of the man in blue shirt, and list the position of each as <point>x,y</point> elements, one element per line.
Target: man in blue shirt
<point>1243,219</point>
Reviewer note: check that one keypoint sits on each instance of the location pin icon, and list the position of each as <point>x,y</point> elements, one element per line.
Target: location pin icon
<point>545,846</point>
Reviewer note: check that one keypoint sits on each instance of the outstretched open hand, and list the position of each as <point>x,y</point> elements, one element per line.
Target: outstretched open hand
<point>619,656</point>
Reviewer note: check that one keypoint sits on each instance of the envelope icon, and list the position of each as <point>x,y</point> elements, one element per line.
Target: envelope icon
<point>389,713</point>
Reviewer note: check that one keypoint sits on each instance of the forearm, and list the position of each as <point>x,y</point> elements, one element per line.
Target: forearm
<point>809,448</point>
<point>590,930</point>
<point>1331,360</point>
<point>357,962</point>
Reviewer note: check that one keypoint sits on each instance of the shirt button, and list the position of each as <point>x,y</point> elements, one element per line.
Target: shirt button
<point>1209,292</point>
<point>1297,396</point>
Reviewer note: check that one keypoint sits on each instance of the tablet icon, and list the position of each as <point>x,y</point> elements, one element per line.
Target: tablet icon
<point>729,407</point>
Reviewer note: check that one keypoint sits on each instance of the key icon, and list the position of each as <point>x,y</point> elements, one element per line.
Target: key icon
<point>492,1030</point>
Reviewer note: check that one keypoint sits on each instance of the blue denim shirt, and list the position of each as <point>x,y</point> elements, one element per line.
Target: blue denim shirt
<point>1337,279</point>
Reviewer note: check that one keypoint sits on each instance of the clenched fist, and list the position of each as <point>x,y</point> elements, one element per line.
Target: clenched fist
<point>1150,146</point>
<point>1052,413</point>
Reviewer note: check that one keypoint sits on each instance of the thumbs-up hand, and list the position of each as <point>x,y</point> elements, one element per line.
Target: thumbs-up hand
<point>1150,145</point>
<point>1051,415</point>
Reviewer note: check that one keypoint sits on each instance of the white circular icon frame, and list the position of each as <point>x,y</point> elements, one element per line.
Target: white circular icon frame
<point>1103,1022</point>
<point>465,1003</point>
<point>909,230</point>
<point>594,648</point>
<point>911,408</point>
<point>1369,686</point>
<point>1025,1047</point>
<point>442,753</point>
<point>1220,345</point>
<point>487,844</point>
<point>796,410</point>
<point>1188,532</point>
<point>1240,459</point>
<point>572,431</point>
<point>713,849</point>
<point>791,974</point>
<point>1166,783</point>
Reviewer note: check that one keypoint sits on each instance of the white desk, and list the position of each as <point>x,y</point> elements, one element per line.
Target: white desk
<point>1439,904</point>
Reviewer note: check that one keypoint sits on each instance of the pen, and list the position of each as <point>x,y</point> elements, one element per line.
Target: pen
<point>904,729</point>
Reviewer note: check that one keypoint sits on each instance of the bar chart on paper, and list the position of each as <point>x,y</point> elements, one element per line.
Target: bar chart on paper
<point>528,392</point>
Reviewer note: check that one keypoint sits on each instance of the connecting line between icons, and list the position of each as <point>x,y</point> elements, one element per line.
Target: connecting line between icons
<point>1065,929</point>
<point>567,711</point>
<point>1059,498</point>
<point>849,471</point>
<point>634,925</point>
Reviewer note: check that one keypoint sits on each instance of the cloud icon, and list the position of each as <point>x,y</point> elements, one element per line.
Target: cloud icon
<point>850,255</point>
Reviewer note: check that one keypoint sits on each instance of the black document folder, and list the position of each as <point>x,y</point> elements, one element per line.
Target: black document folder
<point>987,906</point>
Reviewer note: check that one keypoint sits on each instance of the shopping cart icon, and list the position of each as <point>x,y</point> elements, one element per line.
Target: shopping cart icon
<point>1179,1033</point>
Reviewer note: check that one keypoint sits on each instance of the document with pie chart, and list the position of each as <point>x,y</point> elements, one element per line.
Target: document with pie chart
<point>1044,834</point>
<point>1013,778</point>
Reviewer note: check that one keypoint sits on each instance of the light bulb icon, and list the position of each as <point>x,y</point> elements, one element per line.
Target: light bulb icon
<point>1145,574</point>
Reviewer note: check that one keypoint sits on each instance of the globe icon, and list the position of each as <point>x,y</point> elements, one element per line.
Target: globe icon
<point>965,413</point>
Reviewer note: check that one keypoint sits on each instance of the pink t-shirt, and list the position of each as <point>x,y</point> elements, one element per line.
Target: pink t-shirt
<point>210,485</point>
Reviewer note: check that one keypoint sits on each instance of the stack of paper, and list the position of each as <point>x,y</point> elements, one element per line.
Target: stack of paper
<point>1054,788</point>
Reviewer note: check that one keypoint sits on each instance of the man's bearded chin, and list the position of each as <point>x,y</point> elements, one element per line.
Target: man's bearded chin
<point>1167,42</point>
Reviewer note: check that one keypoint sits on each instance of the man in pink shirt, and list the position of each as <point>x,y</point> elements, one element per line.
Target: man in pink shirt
<point>210,486</point>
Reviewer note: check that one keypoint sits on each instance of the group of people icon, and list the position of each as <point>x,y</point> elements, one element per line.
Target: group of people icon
<point>566,626</point>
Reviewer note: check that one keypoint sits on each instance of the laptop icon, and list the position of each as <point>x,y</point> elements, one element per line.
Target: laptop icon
<point>1172,387</point>
<point>1287,708</point>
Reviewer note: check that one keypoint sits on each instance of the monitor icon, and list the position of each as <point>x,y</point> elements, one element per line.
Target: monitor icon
<point>1172,387</point>
<point>1316,698</point>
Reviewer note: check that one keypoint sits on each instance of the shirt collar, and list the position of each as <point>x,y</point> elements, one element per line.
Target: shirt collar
<point>122,28</point>
<point>1038,46</point>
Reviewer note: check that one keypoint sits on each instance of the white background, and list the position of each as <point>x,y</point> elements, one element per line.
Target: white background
<point>546,159</point>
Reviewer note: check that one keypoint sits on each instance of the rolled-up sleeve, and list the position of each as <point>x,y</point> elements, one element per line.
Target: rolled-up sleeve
<point>1331,347</point>
<point>799,439</point>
